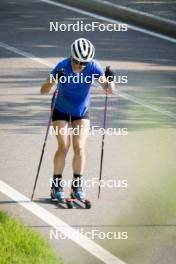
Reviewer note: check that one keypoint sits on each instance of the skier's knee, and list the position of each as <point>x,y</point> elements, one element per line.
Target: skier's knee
<point>63,149</point>
<point>78,150</point>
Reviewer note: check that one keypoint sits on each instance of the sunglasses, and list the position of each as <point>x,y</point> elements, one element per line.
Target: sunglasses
<point>80,62</point>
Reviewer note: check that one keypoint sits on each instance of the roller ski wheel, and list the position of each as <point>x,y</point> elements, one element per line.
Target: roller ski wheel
<point>69,203</point>
<point>86,202</point>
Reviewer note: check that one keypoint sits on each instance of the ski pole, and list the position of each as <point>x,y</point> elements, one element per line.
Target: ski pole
<point>103,140</point>
<point>45,140</point>
<point>110,75</point>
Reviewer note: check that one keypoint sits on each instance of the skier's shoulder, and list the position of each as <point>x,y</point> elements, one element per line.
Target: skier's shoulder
<point>96,67</point>
<point>95,64</point>
<point>64,62</point>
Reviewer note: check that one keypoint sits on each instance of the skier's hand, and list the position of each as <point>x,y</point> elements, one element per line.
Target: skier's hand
<point>109,74</point>
<point>46,87</point>
<point>107,86</point>
<point>110,80</point>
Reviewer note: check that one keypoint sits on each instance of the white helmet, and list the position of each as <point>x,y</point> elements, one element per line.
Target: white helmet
<point>82,50</point>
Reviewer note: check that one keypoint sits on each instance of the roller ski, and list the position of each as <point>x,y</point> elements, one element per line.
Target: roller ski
<point>57,193</point>
<point>77,193</point>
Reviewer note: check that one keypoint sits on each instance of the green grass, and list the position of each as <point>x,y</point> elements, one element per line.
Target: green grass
<point>21,245</point>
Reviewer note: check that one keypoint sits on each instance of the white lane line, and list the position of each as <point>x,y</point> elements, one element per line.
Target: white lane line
<point>138,101</point>
<point>143,103</point>
<point>56,223</point>
<point>124,95</point>
<point>90,14</point>
<point>26,54</point>
<point>136,11</point>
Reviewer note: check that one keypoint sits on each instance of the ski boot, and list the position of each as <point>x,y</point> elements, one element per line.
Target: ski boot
<point>57,192</point>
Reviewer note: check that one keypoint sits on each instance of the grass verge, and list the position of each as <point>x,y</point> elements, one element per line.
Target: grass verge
<point>22,245</point>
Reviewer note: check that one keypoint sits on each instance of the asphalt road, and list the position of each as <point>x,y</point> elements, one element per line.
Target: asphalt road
<point>146,106</point>
<point>164,9</point>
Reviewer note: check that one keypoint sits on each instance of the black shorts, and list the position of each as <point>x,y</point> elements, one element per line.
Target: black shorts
<point>57,115</point>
